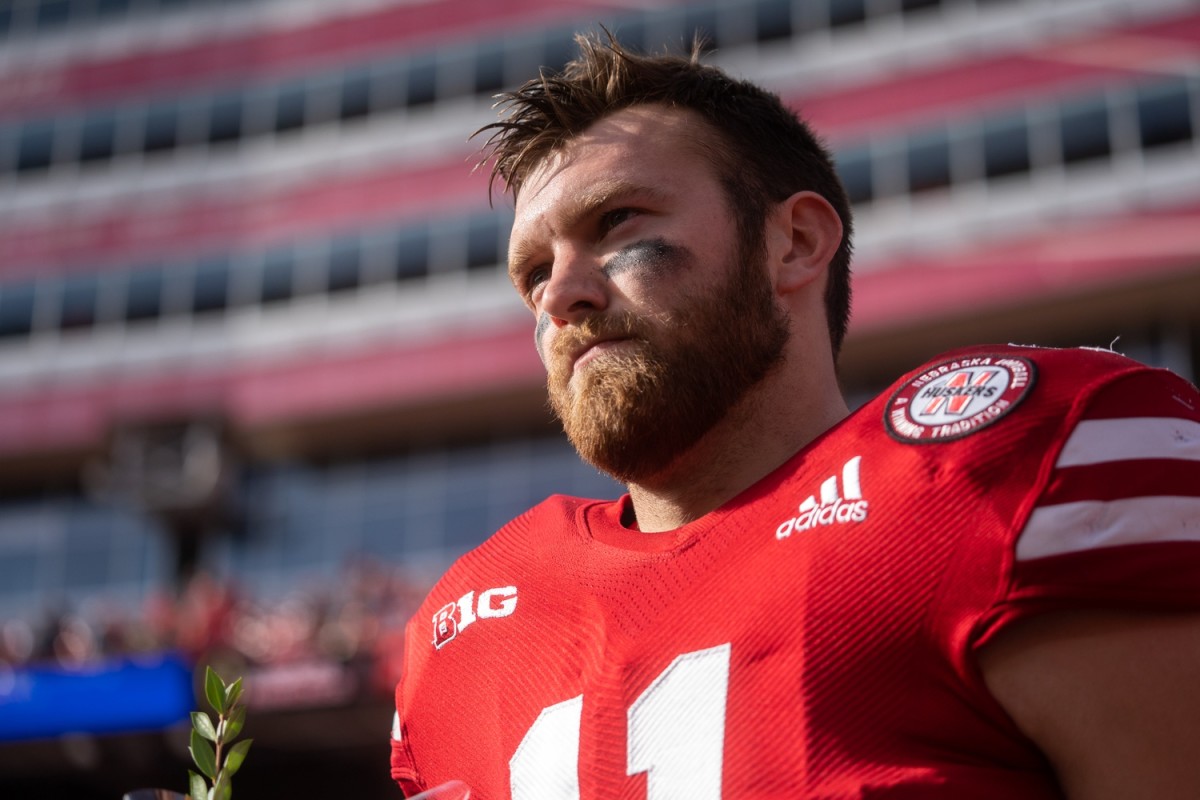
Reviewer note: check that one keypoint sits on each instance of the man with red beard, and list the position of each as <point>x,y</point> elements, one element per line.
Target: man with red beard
<point>983,584</point>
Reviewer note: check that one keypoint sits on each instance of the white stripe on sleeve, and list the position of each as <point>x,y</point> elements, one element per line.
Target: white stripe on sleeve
<point>1086,525</point>
<point>1097,441</point>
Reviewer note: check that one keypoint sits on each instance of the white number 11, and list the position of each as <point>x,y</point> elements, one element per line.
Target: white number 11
<point>676,736</point>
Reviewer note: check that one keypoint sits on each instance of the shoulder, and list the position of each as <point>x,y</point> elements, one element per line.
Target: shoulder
<point>488,581</point>
<point>1114,518</point>
<point>963,391</point>
<point>543,527</point>
<point>1080,367</point>
<point>1083,366</point>
<point>1075,363</point>
<point>1128,472</point>
<point>530,548</point>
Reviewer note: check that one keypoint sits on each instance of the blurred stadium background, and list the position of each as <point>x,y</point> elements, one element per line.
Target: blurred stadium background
<point>261,374</point>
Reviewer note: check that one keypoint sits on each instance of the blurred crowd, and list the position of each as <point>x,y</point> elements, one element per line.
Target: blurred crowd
<point>355,623</point>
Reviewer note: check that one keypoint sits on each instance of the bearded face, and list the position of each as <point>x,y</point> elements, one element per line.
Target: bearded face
<point>632,411</point>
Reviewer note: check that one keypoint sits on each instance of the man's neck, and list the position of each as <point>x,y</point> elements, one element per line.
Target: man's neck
<point>753,440</point>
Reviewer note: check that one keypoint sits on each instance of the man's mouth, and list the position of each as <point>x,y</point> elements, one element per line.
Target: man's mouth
<point>595,348</point>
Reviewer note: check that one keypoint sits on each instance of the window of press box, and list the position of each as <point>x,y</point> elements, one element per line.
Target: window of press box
<point>703,21</point>
<point>225,117</point>
<point>210,284</point>
<point>1084,129</point>
<point>558,47</point>
<point>1006,145</point>
<point>772,20</point>
<point>412,253</point>
<point>113,8</point>
<point>40,17</point>
<point>277,276</point>
<point>1164,113</point>
<point>854,168</point>
<point>290,105</point>
<point>47,16</point>
<point>489,66</point>
<point>355,98</point>
<point>144,294</point>
<point>915,5</point>
<point>160,126</point>
<point>9,136</point>
<point>847,12</point>
<point>78,302</point>
<point>928,161</point>
<point>52,14</point>
<point>343,269</point>
<point>98,136</point>
<point>35,147</point>
<point>16,309</point>
<point>422,80</point>
<point>483,241</point>
<point>631,31</point>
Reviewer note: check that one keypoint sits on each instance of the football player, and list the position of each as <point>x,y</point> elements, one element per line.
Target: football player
<point>982,584</point>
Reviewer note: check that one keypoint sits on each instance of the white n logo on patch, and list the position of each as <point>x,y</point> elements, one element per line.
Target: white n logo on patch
<point>830,505</point>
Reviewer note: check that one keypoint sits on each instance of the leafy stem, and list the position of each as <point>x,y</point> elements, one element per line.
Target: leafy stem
<point>213,747</point>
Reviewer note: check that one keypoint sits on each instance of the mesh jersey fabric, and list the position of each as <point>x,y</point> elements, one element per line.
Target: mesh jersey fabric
<point>815,636</point>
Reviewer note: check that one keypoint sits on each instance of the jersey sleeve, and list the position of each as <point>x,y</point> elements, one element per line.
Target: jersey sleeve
<point>1117,524</point>
<point>404,773</point>
<point>403,765</point>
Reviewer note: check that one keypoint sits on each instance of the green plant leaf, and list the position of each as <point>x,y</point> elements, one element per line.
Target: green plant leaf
<point>203,725</point>
<point>203,755</point>
<point>233,725</point>
<point>223,788</point>
<point>237,754</point>
<point>233,693</point>
<point>214,690</point>
<point>197,786</point>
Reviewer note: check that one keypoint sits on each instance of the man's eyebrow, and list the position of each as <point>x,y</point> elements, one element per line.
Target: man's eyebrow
<point>605,192</point>
<point>518,255</point>
<point>582,206</point>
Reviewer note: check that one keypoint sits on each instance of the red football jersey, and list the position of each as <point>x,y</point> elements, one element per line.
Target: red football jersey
<point>815,637</point>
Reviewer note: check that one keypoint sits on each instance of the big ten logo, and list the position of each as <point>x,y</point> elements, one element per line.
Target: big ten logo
<point>457,616</point>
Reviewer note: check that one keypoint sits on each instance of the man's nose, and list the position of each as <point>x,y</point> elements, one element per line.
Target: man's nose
<point>577,288</point>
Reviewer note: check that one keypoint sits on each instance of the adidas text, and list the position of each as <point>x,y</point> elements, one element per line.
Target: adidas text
<point>834,506</point>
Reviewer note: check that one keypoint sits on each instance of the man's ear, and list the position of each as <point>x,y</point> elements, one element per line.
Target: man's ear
<point>803,234</point>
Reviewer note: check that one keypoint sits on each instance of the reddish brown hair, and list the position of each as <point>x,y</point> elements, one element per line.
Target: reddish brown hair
<point>763,152</point>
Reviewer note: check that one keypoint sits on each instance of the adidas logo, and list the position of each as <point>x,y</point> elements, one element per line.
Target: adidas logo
<point>831,506</point>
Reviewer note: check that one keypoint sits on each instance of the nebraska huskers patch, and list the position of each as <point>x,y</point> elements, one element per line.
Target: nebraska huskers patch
<point>958,397</point>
